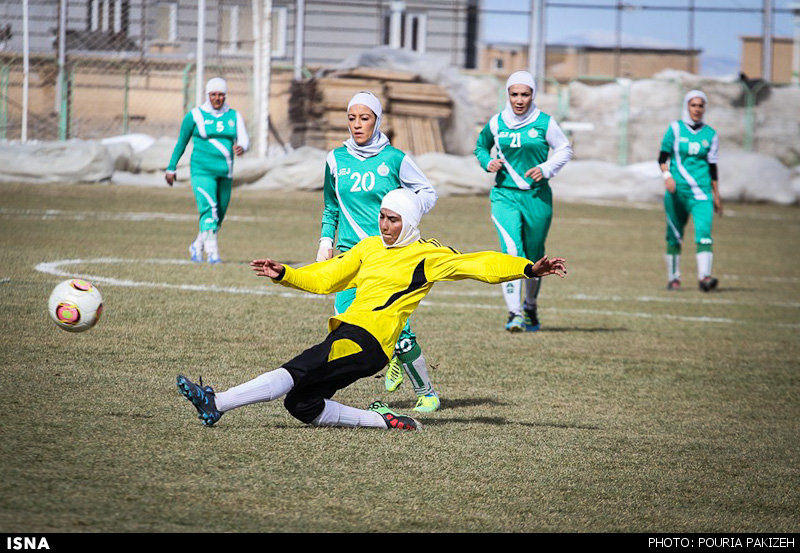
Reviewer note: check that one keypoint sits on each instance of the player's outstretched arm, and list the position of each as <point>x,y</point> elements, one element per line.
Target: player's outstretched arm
<point>546,266</point>
<point>267,268</point>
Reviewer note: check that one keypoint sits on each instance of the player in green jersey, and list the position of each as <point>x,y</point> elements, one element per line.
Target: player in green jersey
<point>688,161</point>
<point>515,145</point>
<point>217,133</point>
<point>357,177</point>
<point>393,272</point>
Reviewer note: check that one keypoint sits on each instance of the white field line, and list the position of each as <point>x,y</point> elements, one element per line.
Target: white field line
<point>46,214</point>
<point>56,268</point>
<point>658,206</point>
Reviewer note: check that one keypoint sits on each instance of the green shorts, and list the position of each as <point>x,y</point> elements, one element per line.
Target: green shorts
<point>522,219</point>
<point>212,194</point>
<point>678,207</point>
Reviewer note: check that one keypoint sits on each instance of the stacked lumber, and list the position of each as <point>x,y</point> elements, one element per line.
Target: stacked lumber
<point>413,111</point>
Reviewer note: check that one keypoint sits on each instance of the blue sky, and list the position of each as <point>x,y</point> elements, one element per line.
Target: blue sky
<point>716,33</point>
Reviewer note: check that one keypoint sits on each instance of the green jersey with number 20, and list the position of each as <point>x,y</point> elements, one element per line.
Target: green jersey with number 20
<point>354,188</point>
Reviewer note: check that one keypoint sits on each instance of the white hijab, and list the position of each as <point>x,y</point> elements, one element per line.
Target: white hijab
<point>216,84</point>
<point>406,204</point>
<point>378,141</point>
<point>691,123</point>
<point>511,119</point>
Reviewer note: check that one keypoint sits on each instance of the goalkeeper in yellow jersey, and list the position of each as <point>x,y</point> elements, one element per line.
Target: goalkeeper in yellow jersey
<point>392,273</point>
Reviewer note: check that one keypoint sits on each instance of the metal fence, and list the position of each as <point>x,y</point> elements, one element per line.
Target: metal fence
<point>97,68</point>
<point>94,68</point>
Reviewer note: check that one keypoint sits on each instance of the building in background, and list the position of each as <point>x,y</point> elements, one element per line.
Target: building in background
<point>567,62</point>
<point>782,56</point>
<point>168,28</point>
<point>130,65</point>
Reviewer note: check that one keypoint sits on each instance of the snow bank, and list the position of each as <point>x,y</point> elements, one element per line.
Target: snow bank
<point>744,176</point>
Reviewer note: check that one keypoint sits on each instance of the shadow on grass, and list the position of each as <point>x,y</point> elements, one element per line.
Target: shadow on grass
<point>577,329</point>
<point>500,421</point>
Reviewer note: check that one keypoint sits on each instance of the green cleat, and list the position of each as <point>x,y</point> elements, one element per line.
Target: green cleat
<point>394,420</point>
<point>427,403</point>
<point>394,375</point>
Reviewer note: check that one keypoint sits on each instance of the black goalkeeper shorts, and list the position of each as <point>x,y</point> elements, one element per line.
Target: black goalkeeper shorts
<point>347,354</point>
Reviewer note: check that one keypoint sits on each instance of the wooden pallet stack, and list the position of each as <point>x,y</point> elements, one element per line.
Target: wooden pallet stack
<point>413,111</point>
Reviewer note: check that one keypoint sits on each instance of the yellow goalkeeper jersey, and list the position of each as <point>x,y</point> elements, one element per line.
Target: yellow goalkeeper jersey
<point>390,282</point>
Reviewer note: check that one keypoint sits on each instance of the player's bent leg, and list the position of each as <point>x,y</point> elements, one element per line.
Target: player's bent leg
<point>703,215</point>
<point>338,415</point>
<point>676,219</point>
<point>265,387</point>
<point>409,353</point>
<point>507,220</point>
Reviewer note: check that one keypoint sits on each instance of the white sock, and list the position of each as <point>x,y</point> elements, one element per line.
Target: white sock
<point>417,372</point>
<point>511,293</point>
<point>266,387</point>
<point>704,261</point>
<point>673,266</point>
<point>211,243</point>
<point>336,414</point>
<point>199,242</point>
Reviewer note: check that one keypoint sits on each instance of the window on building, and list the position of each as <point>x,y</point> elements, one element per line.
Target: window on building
<point>167,22</point>
<point>109,16</point>
<point>236,30</point>
<point>406,30</point>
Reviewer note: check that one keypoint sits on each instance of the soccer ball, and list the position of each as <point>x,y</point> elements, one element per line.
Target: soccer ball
<point>75,305</point>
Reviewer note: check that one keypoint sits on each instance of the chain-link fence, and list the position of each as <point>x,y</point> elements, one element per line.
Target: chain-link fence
<point>97,68</point>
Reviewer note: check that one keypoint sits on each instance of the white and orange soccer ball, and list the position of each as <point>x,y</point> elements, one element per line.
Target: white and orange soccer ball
<point>75,305</point>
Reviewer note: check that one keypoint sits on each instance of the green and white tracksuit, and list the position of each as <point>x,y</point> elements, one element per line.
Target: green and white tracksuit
<point>690,152</point>
<point>214,134</point>
<point>354,187</point>
<point>522,208</point>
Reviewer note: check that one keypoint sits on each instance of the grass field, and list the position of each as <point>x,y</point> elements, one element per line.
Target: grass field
<point>633,410</point>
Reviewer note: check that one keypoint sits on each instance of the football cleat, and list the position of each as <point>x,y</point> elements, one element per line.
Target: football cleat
<point>674,284</point>
<point>196,251</point>
<point>394,375</point>
<point>708,283</point>
<point>531,319</point>
<point>394,420</point>
<point>515,323</point>
<point>214,258</point>
<point>427,403</point>
<point>202,397</point>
